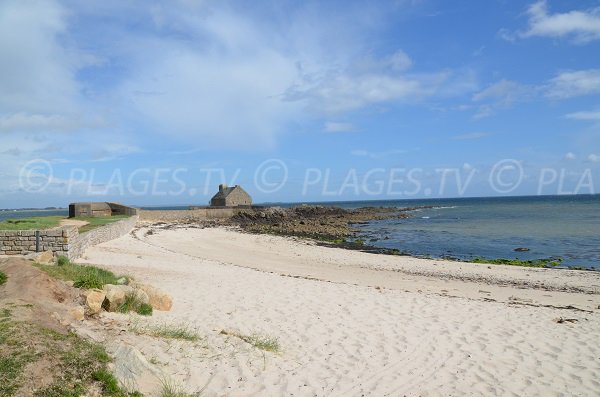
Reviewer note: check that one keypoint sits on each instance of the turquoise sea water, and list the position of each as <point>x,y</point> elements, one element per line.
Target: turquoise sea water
<point>566,227</point>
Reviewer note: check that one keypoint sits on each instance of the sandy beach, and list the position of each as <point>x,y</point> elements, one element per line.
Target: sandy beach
<point>354,324</point>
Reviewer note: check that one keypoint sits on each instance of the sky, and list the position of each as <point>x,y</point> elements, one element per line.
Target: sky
<point>156,102</point>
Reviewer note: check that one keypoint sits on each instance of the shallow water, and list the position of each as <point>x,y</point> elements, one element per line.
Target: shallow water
<point>549,226</point>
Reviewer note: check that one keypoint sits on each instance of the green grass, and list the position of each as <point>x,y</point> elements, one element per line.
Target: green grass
<point>34,223</point>
<point>132,303</point>
<point>262,342</point>
<point>171,388</point>
<point>97,221</point>
<point>82,276</point>
<point>2,278</point>
<point>519,262</point>
<point>62,260</point>
<point>144,309</point>
<point>74,365</point>
<point>168,331</point>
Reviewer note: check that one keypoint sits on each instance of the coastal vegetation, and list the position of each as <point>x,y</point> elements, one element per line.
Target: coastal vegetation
<point>261,342</point>
<point>34,223</point>
<point>73,366</point>
<point>2,278</point>
<point>167,331</point>
<point>85,277</point>
<point>550,262</point>
<point>132,303</point>
<point>48,222</point>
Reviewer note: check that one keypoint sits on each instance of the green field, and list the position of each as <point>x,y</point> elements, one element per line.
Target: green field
<point>47,222</point>
<point>35,223</point>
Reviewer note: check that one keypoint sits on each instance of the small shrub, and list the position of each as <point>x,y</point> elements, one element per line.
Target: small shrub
<point>2,278</point>
<point>62,260</point>
<point>266,343</point>
<point>144,309</point>
<point>88,281</point>
<point>83,276</point>
<point>110,384</point>
<point>132,303</point>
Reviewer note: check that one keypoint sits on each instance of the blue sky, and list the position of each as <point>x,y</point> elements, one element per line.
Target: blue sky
<point>151,103</point>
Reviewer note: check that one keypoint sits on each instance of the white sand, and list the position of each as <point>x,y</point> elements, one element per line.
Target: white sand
<point>381,326</point>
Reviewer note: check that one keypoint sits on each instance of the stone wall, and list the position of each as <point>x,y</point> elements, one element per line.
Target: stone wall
<point>62,241</point>
<point>22,242</point>
<point>78,243</point>
<point>196,214</point>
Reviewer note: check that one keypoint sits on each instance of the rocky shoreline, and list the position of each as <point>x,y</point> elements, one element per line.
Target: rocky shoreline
<point>329,224</point>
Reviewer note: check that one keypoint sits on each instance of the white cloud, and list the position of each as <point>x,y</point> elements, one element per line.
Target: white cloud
<point>589,115</point>
<point>574,83</point>
<point>505,92</point>
<point>332,126</point>
<point>376,155</point>
<point>22,121</point>
<point>471,136</point>
<point>594,158</point>
<point>502,94</point>
<point>570,156</point>
<point>37,73</point>
<point>582,26</point>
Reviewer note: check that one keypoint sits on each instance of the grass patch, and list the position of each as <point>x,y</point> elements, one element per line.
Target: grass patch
<point>82,276</point>
<point>520,262</point>
<point>75,365</point>
<point>262,342</point>
<point>97,221</point>
<point>167,331</point>
<point>170,388</point>
<point>144,309</point>
<point>62,260</point>
<point>132,303</point>
<point>33,223</point>
<point>3,278</point>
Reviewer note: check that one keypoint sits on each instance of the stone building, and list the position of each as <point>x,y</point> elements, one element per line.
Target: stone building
<point>99,209</point>
<point>231,197</point>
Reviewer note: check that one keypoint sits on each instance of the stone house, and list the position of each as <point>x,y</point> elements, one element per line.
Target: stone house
<point>231,197</point>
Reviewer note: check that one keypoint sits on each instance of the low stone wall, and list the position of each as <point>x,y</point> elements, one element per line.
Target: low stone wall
<point>80,242</point>
<point>62,241</point>
<point>22,242</point>
<point>199,214</point>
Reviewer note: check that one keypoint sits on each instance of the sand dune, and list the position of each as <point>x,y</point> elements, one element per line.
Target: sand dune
<point>365,324</point>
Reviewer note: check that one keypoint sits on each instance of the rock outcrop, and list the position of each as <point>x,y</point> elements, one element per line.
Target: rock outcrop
<point>158,299</point>
<point>93,300</point>
<point>115,296</point>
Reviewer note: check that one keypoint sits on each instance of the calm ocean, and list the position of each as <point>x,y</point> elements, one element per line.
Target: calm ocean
<point>464,228</point>
<point>566,227</point>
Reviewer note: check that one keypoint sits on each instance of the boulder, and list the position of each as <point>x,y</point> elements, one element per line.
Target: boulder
<point>93,300</point>
<point>45,257</point>
<point>158,299</point>
<point>115,295</point>
<point>77,313</point>
<point>133,370</point>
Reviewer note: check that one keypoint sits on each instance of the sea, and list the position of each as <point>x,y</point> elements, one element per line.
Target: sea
<point>563,227</point>
<point>541,227</point>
